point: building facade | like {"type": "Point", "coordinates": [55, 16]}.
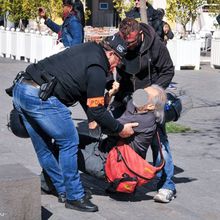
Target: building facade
{"type": "Point", "coordinates": [104, 14]}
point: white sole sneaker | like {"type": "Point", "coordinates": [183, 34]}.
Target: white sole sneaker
{"type": "Point", "coordinates": [164, 196]}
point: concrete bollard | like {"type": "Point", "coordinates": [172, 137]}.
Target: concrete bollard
{"type": "Point", "coordinates": [215, 56]}
{"type": "Point", "coordinates": [20, 196]}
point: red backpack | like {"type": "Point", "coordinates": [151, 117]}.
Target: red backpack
{"type": "Point", "coordinates": [125, 169]}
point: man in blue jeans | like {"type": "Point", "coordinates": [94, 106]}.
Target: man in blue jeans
{"type": "Point", "coordinates": [147, 62]}
{"type": "Point", "coordinates": [45, 90]}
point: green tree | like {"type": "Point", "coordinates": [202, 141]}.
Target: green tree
{"type": "Point", "coordinates": [214, 7]}
{"type": "Point", "coordinates": [5, 7]}
{"type": "Point", "coordinates": [183, 11]}
{"type": "Point", "coordinates": [123, 6]}
{"type": "Point", "coordinates": [28, 9]}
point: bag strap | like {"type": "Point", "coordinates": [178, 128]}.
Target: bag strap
{"type": "Point", "coordinates": [161, 154]}
{"type": "Point", "coordinates": [122, 158]}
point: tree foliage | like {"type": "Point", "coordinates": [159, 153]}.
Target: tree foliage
{"type": "Point", "coordinates": [214, 6]}
{"type": "Point", "coordinates": [183, 11]}
{"type": "Point", "coordinates": [28, 9]}
{"type": "Point", "coordinates": [123, 6]}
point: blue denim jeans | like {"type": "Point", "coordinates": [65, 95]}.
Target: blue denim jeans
{"type": "Point", "coordinates": [165, 176]}
{"type": "Point", "coordinates": [48, 121]}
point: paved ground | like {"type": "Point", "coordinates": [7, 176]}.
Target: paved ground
{"type": "Point", "coordinates": [196, 155]}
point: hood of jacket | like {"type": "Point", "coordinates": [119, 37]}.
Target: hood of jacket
{"type": "Point", "coordinates": [149, 37]}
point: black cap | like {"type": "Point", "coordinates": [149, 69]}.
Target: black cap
{"type": "Point", "coordinates": [117, 44]}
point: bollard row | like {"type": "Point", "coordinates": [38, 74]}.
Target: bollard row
{"type": "Point", "coordinates": [29, 45]}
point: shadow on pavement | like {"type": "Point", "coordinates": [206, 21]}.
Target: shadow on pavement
{"type": "Point", "coordinates": [99, 186]}
{"type": "Point", "coordinates": [177, 180]}
{"type": "Point", "coordinates": [45, 214]}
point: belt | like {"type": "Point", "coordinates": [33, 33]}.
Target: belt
{"type": "Point", "coordinates": [30, 82]}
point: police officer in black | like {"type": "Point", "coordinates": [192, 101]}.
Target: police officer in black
{"type": "Point", "coordinates": [43, 93]}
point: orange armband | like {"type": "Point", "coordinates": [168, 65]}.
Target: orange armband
{"type": "Point", "coordinates": [95, 102]}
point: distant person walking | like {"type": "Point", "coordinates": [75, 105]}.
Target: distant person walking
{"type": "Point", "coordinates": [71, 31]}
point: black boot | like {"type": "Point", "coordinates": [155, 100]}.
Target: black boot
{"type": "Point", "coordinates": [62, 196]}
{"type": "Point", "coordinates": [83, 204]}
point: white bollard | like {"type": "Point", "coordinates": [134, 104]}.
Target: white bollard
{"type": "Point", "coordinates": [33, 48]}
{"type": "Point", "coordinates": [179, 52]}
{"type": "Point", "coordinates": [215, 48]}
{"type": "Point", "coordinates": [20, 47]}
{"type": "Point", "coordinates": [8, 42]}
{"type": "Point", "coordinates": [38, 46]}
{"type": "Point", "coordinates": [27, 48]}
{"type": "Point", "coordinates": [13, 43]}
{"type": "Point", "coordinates": [30, 49]}
{"type": "Point", "coordinates": [2, 43]}
{"type": "Point", "coordinates": [49, 43]}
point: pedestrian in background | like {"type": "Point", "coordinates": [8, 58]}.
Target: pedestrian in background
{"type": "Point", "coordinates": [152, 16]}
{"type": "Point", "coordinates": [71, 31]}
{"type": "Point", "coordinates": [167, 33]}
{"type": "Point", "coordinates": [155, 19]}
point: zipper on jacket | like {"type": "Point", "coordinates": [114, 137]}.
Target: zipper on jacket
{"type": "Point", "coordinates": [133, 79]}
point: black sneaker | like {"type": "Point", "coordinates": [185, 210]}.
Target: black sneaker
{"type": "Point", "coordinates": [62, 196]}
{"type": "Point", "coordinates": [83, 204]}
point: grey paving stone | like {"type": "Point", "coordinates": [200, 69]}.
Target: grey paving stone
{"type": "Point", "coordinates": [19, 194]}
{"type": "Point", "coordinates": [195, 154]}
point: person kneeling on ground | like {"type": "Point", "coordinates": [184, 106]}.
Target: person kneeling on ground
{"type": "Point", "coordinates": [147, 108]}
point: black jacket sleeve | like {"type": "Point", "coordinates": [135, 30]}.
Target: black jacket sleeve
{"type": "Point", "coordinates": [163, 64]}
{"type": "Point", "coordinates": [96, 81]}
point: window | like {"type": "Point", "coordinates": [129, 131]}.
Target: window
{"type": "Point", "coordinates": [103, 6]}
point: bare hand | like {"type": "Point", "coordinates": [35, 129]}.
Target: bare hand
{"type": "Point", "coordinates": [114, 89]}
{"type": "Point", "coordinates": [93, 125]}
{"type": "Point", "coordinates": [128, 130]}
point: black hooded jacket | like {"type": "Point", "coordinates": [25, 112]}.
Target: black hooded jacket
{"type": "Point", "coordinates": [149, 64]}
